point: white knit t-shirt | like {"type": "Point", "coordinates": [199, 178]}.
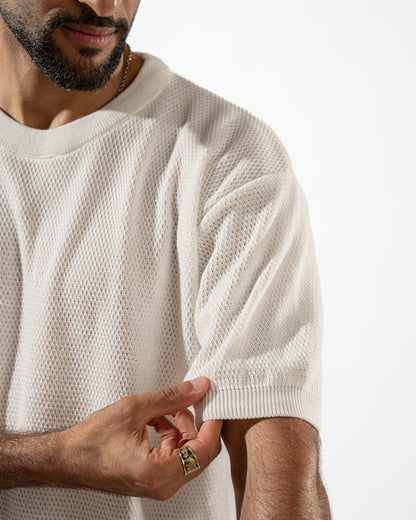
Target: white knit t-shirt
{"type": "Point", "coordinates": [160, 238]}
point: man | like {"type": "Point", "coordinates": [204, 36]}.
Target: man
{"type": "Point", "coordinates": [151, 233]}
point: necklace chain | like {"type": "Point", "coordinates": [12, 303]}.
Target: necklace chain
{"type": "Point", "coordinates": [126, 68]}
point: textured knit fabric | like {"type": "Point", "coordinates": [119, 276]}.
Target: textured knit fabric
{"type": "Point", "coordinates": [158, 239]}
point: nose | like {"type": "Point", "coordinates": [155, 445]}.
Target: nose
{"type": "Point", "coordinates": [102, 7]}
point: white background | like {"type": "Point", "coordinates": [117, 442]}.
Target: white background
{"type": "Point", "coordinates": [337, 82]}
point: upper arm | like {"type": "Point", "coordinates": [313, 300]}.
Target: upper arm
{"type": "Point", "coordinates": [258, 314]}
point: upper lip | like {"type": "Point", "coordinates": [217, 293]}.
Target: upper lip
{"type": "Point", "coordinates": [91, 29]}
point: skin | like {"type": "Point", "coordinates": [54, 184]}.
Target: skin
{"type": "Point", "coordinates": [110, 451]}
{"type": "Point", "coordinates": [39, 62]}
{"type": "Point", "coordinates": [47, 81]}
{"type": "Point", "coordinates": [275, 469]}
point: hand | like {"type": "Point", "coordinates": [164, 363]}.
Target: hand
{"type": "Point", "coordinates": [110, 451]}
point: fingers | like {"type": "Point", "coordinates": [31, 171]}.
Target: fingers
{"type": "Point", "coordinates": [186, 426]}
{"type": "Point", "coordinates": [172, 436]}
{"type": "Point", "coordinates": [207, 443]}
{"type": "Point", "coordinates": [209, 431]}
{"type": "Point", "coordinates": [166, 463]}
{"type": "Point", "coordinates": [167, 431]}
{"type": "Point", "coordinates": [170, 399]}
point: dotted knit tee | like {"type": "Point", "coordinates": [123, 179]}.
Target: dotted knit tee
{"type": "Point", "coordinates": [160, 238]}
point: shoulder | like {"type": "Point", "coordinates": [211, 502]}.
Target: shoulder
{"type": "Point", "coordinates": [238, 146]}
{"type": "Point", "coordinates": [219, 121]}
{"type": "Point", "coordinates": [219, 125]}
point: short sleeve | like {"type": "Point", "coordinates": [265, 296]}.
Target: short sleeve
{"type": "Point", "coordinates": [258, 311]}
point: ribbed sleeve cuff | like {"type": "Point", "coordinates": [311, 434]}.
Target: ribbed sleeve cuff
{"type": "Point", "coordinates": [255, 402]}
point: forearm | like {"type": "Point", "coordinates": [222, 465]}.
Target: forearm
{"type": "Point", "coordinates": [30, 460]}
{"type": "Point", "coordinates": [284, 499]}
{"type": "Point", "coordinates": [323, 501]}
{"type": "Point", "coordinates": [275, 469]}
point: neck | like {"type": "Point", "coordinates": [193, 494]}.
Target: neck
{"type": "Point", "coordinates": [30, 98]}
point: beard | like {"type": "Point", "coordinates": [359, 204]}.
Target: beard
{"type": "Point", "coordinates": [49, 58]}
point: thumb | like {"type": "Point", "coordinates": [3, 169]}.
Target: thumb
{"type": "Point", "coordinates": [171, 399]}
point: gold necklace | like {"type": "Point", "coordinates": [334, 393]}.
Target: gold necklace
{"type": "Point", "coordinates": [126, 68]}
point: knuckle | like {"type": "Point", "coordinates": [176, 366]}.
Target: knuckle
{"type": "Point", "coordinates": [171, 393]}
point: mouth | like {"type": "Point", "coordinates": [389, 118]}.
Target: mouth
{"type": "Point", "coordinates": [89, 35]}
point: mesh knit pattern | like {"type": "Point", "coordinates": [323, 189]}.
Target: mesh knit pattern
{"type": "Point", "coordinates": [158, 239]}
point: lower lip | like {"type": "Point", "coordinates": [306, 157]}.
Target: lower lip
{"type": "Point", "coordinates": [91, 40]}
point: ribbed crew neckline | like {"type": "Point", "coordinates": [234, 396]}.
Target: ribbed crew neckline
{"type": "Point", "coordinates": [151, 79]}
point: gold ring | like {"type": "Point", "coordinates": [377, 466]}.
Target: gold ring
{"type": "Point", "coordinates": [188, 458]}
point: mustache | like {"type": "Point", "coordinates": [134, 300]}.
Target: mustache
{"type": "Point", "coordinates": [87, 17]}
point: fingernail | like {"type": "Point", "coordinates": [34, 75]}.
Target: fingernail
{"type": "Point", "coordinates": [199, 383]}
